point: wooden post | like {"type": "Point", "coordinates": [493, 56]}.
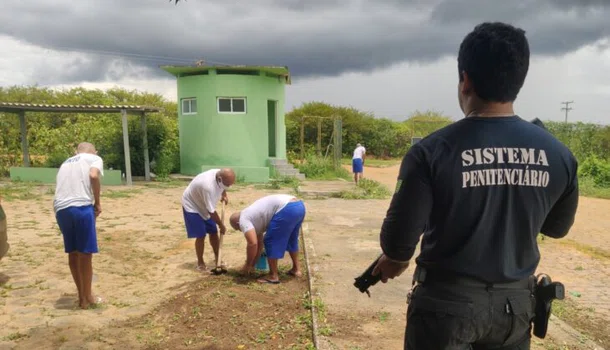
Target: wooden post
{"type": "Point", "coordinates": [302, 139]}
{"type": "Point", "coordinates": [338, 142]}
{"type": "Point", "coordinates": [126, 148]}
{"type": "Point", "coordinates": [145, 146]}
{"type": "Point", "coordinates": [319, 136]}
{"type": "Point", "coordinates": [24, 139]}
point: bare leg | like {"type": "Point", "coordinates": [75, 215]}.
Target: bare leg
{"type": "Point", "coordinates": [356, 178]}
{"type": "Point", "coordinates": [215, 243]}
{"type": "Point", "coordinates": [296, 266]}
{"type": "Point", "coordinates": [199, 247]}
{"type": "Point", "coordinates": [273, 270]}
{"type": "Point", "coordinates": [85, 269]}
{"type": "Point", "coordinates": [73, 262]}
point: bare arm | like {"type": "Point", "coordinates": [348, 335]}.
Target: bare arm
{"type": "Point", "coordinates": [96, 186]}
{"type": "Point", "coordinates": [252, 249]}
{"type": "Point", "coordinates": [221, 225]}
{"type": "Point", "coordinates": [561, 217]}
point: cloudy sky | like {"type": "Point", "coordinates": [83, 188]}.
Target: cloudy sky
{"type": "Point", "coordinates": [390, 57]}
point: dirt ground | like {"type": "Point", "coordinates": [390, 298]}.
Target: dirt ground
{"type": "Point", "coordinates": [144, 261]}
{"type": "Point", "coordinates": [581, 261]}
{"type": "Point", "coordinates": [156, 299]}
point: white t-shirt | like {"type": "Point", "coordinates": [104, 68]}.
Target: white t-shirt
{"type": "Point", "coordinates": [258, 215]}
{"type": "Point", "coordinates": [73, 185]}
{"type": "Point", "coordinates": [202, 194]}
{"type": "Point", "coordinates": [359, 152]}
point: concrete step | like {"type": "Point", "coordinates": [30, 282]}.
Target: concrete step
{"type": "Point", "coordinates": [287, 172]}
{"type": "Point", "coordinates": [284, 166]}
{"type": "Point", "coordinates": [278, 161]}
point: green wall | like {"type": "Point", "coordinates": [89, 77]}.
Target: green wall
{"type": "Point", "coordinates": [209, 139]}
{"type": "Point", "coordinates": [48, 175]}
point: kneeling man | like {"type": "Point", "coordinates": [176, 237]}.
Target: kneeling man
{"type": "Point", "coordinates": [272, 222]}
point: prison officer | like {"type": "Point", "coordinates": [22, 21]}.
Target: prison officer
{"type": "Point", "coordinates": [480, 190]}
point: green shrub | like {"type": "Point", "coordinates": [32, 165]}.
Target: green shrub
{"type": "Point", "coordinates": [366, 189]}
{"type": "Point", "coordinates": [319, 168]}
{"type": "Point", "coordinates": [56, 159]}
{"type": "Point", "coordinates": [596, 169]}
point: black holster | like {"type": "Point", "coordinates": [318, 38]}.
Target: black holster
{"type": "Point", "coordinates": [545, 292]}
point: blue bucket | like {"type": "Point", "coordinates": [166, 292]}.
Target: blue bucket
{"type": "Point", "coordinates": [261, 264]}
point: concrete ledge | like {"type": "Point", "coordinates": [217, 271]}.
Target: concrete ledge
{"type": "Point", "coordinates": [48, 175]}
{"type": "Point", "coordinates": [250, 174]}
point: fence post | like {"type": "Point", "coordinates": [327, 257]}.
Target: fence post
{"type": "Point", "coordinates": [319, 136]}
{"type": "Point", "coordinates": [302, 139]}
{"type": "Point", "coordinates": [338, 146]}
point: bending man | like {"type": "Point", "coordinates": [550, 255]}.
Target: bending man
{"type": "Point", "coordinates": [272, 222]}
{"type": "Point", "coordinates": [199, 209]}
{"type": "Point", "coordinates": [76, 205]}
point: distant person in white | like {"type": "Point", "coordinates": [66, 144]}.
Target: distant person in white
{"type": "Point", "coordinates": [76, 205]}
{"type": "Point", "coordinates": [358, 162]}
{"type": "Point", "coordinates": [199, 209]}
{"type": "Point", "coordinates": [272, 222]}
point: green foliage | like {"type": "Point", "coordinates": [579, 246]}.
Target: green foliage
{"type": "Point", "coordinates": [367, 189]}
{"type": "Point", "coordinates": [588, 188]}
{"type": "Point", "coordinates": [596, 169]}
{"type": "Point", "coordinates": [53, 137]}
{"type": "Point", "coordinates": [382, 137]}
{"type": "Point", "coordinates": [320, 168]}
{"type": "Point", "coordinates": [583, 139]}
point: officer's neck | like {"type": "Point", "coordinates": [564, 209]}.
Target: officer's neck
{"type": "Point", "coordinates": [490, 109]}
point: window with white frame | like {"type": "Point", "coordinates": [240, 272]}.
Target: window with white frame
{"type": "Point", "coordinates": [189, 106]}
{"type": "Point", "coordinates": [232, 105]}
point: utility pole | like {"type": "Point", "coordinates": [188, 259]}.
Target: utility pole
{"type": "Point", "coordinates": [567, 108]}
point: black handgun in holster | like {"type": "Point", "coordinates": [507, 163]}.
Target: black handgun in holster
{"type": "Point", "coordinates": [545, 292]}
{"type": "Point", "coordinates": [366, 280]}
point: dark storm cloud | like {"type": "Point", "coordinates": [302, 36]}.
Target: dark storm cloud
{"type": "Point", "coordinates": [312, 38]}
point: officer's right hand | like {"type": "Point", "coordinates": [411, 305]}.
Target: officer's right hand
{"type": "Point", "coordinates": [389, 269]}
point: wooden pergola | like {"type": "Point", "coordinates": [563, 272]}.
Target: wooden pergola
{"type": "Point", "coordinates": [21, 108]}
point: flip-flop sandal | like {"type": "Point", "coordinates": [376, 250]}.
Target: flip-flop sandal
{"type": "Point", "coordinates": [268, 281]}
{"type": "Point", "coordinates": [201, 268]}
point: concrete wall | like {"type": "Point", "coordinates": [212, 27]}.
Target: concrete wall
{"type": "Point", "coordinates": [48, 175]}
{"type": "Point", "coordinates": [209, 139]}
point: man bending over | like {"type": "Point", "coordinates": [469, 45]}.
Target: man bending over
{"type": "Point", "coordinates": [199, 209]}
{"type": "Point", "coordinates": [76, 205]}
{"type": "Point", "coordinates": [272, 222]}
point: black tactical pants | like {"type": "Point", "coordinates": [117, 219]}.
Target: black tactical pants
{"type": "Point", "coordinates": [458, 315]}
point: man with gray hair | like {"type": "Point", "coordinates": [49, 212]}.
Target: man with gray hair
{"type": "Point", "coordinates": [76, 205]}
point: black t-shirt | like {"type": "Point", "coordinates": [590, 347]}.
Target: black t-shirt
{"type": "Point", "coordinates": [481, 190]}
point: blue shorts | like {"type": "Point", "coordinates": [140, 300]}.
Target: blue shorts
{"type": "Point", "coordinates": [77, 225]}
{"type": "Point", "coordinates": [196, 226]}
{"type": "Point", "coordinates": [357, 165]}
{"type": "Point", "coordinates": [283, 230]}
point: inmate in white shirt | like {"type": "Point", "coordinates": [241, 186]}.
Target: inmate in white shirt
{"type": "Point", "coordinates": [258, 215]}
{"type": "Point", "coordinates": [359, 152]}
{"type": "Point", "coordinates": [202, 194]}
{"type": "Point", "coordinates": [73, 184]}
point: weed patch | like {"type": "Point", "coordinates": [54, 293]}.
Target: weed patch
{"type": "Point", "coordinates": [319, 168]}
{"type": "Point", "coordinates": [366, 189]}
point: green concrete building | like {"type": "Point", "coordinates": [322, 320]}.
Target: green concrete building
{"type": "Point", "coordinates": [232, 116]}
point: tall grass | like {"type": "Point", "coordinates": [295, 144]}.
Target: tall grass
{"type": "Point", "coordinates": [319, 168]}
{"type": "Point", "coordinates": [366, 189]}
